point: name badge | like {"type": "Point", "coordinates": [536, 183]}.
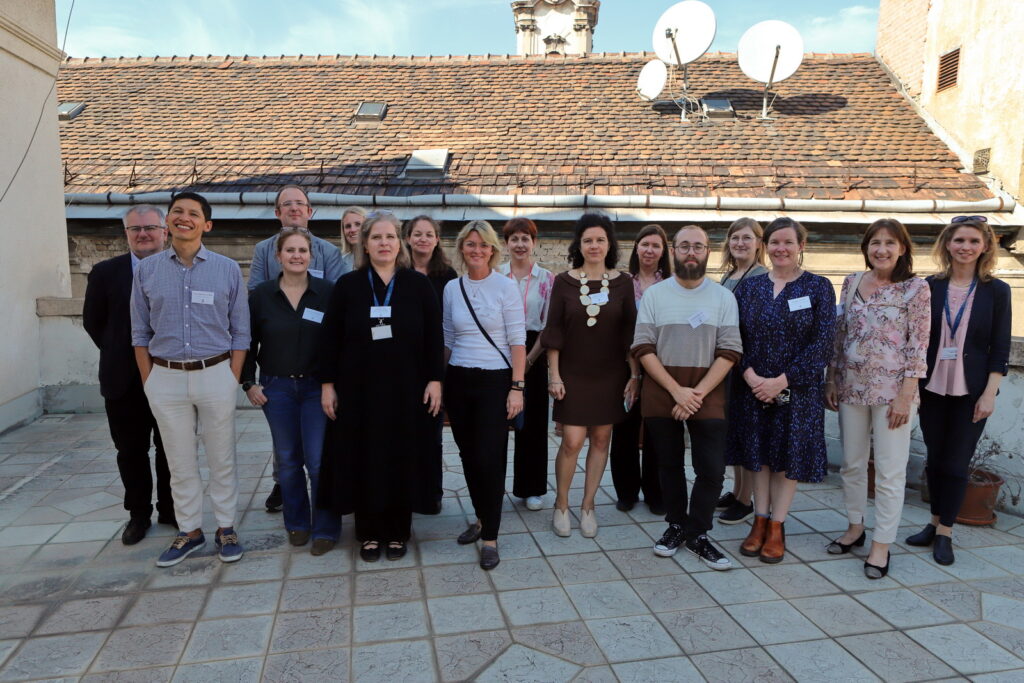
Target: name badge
{"type": "Point", "coordinates": [316, 273]}
{"type": "Point", "coordinates": [698, 319]}
{"type": "Point", "coordinates": [380, 332]}
{"type": "Point", "coordinates": [839, 309]}
{"type": "Point", "coordinates": [799, 304]}
{"type": "Point", "coordinates": [600, 298]}
{"type": "Point", "coordinates": [312, 315]}
{"type": "Point", "coordinates": [380, 312]}
{"type": "Point", "coordinates": [948, 353]}
{"type": "Point", "coordinates": [199, 297]}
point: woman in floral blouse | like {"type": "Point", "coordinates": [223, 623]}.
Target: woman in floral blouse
{"type": "Point", "coordinates": [881, 347]}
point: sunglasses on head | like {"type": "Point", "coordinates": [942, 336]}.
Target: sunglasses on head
{"type": "Point", "coordinates": [964, 219]}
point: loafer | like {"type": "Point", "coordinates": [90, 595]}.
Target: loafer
{"type": "Point", "coordinates": [534, 503]}
{"type": "Point", "coordinates": [560, 523]}
{"type": "Point", "coordinates": [588, 524]}
{"type": "Point", "coordinates": [370, 551]}
{"type": "Point", "coordinates": [470, 535]}
{"type": "Point", "coordinates": [395, 550]}
{"type": "Point", "coordinates": [624, 505]}
{"type": "Point", "coordinates": [181, 547]}
{"type": "Point", "coordinates": [322, 546]}
{"type": "Point", "coordinates": [274, 502]}
{"type": "Point", "coordinates": [167, 518]}
{"type": "Point", "coordinates": [298, 537]}
{"type": "Point", "coordinates": [135, 530]}
{"type": "Point", "coordinates": [227, 543]}
{"type": "Point", "coordinates": [923, 538]}
{"type": "Point", "coordinates": [489, 558]}
{"type": "Point", "coordinates": [942, 550]}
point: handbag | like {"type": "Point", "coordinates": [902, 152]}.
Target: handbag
{"type": "Point", "coordinates": [519, 420]}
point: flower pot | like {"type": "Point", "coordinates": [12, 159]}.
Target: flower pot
{"type": "Point", "coordinates": [978, 508]}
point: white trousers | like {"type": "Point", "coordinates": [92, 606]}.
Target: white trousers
{"type": "Point", "coordinates": [177, 398]}
{"type": "Point", "coordinates": [860, 427]}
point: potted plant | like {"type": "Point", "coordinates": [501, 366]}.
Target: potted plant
{"type": "Point", "coordinates": [989, 485]}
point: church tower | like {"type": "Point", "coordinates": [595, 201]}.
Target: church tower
{"type": "Point", "coordinates": [564, 27]}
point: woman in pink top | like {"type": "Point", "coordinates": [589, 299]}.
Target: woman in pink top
{"type": "Point", "coordinates": [968, 355]}
{"type": "Point", "coordinates": [880, 354]}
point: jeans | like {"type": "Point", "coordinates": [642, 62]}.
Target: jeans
{"type": "Point", "coordinates": [297, 426]}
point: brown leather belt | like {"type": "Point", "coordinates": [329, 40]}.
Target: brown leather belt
{"type": "Point", "coordinates": [192, 364]}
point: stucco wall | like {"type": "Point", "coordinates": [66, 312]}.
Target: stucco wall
{"type": "Point", "coordinates": [34, 257]}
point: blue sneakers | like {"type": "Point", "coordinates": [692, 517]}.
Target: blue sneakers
{"type": "Point", "coordinates": [230, 548]}
{"type": "Point", "coordinates": [181, 547]}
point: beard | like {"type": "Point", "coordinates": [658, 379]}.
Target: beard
{"type": "Point", "coordinates": [692, 271]}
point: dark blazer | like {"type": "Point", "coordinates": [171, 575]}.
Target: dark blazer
{"type": "Point", "coordinates": [107, 318]}
{"type": "Point", "coordinates": [987, 346]}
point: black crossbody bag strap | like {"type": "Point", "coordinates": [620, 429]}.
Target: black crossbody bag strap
{"type": "Point", "coordinates": [479, 326]}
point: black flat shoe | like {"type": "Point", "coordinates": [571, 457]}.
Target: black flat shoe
{"type": "Point", "coordinates": [368, 553]}
{"type": "Point", "coordinates": [489, 557]}
{"type": "Point", "coordinates": [726, 501]}
{"type": "Point", "coordinates": [395, 550]}
{"type": "Point", "coordinates": [942, 550]}
{"type": "Point", "coordinates": [656, 509]}
{"type": "Point", "coordinates": [923, 538]}
{"type": "Point", "coordinates": [624, 506]}
{"type": "Point", "coordinates": [275, 501]}
{"type": "Point", "coordinates": [875, 572]}
{"type": "Point", "coordinates": [168, 519]}
{"type": "Point", "coordinates": [470, 535]}
{"type": "Point", "coordinates": [135, 530]}
{"type": "Point", "coordinates": [837, 548]}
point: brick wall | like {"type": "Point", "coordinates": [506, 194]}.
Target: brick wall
{"type": "Point", "coordinates": [902, 29]}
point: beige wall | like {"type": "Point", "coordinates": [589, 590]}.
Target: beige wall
{"type": "Point", "coordinates": [986, 107]}
{"type": "Point", "coordinates": [34, 255]}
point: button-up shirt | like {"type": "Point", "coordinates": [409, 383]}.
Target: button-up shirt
{"type": "Point", "coordinates": [189, 312]}
{"type": "Point", "coordinates": [325, 261]}
{"type": "Point", "coordinates": [285, 340]}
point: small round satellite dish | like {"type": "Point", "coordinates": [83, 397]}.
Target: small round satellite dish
{"type": "Point", "coordinates": [757, 51]}
{"type": "Point", "coordinates": [692, 24]}
{"type": "Point", "coordinates": [652, 79]}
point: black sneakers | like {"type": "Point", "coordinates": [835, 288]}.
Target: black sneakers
{"type": "Point", "coordinates": [669, 542]}
{"type": "Point", "coordinates": [275, 501]}
{"type": "Point", "coordinates": [736, 513]}
{"type": "Point", "coordinates": [708, 554]}
{"type": "Point", "coordinates": [725, 501]}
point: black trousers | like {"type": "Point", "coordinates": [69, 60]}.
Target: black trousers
{"type": "Point", "coordinates": [951, 438]}
{"type": "Point", "coordinates": [631, 471]}
{"type": "Point", "coordinates": [387, 522]}
{"type": "Point", "coordinates": [475, 401]}
{"type": "Point", "coordinates": [531, 449]}
{"type": "Point", "coordinates": [707, 454]}
{"type": "Point", "coordinates": [131, 425]}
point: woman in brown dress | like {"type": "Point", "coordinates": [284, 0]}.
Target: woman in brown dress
{"type": "Point", "coordinates": [591, 377]}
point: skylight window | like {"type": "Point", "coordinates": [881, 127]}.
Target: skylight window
{"type": "Point", "coordinates": [371, 111]}
{"type": "Point", "coordinates": [426, 163]}
{"type": "Point", "coordinates": [69, 110]}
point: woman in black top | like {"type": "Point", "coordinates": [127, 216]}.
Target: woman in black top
{"type": "Point", "coordinates": [968, 355]}
{"type": "Point", "coordinates": [285, 315]}
{"type": "Point", "coordinates": [422, 235]}
{"type": "Point", "coordinates": [381, 372]}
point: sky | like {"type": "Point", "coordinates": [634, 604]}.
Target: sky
{"type": "Point", "coordinates": [416, 27]}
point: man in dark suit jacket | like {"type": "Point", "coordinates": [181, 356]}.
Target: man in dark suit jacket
{"type": "Point", "coordinates": [107, 318]}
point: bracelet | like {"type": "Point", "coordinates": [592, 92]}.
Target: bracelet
{"type": "Point", "coordinates": [634, 376]}
{"type": "Point", "coordinates": [553, 382]}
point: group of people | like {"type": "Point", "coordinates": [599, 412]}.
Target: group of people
{"type": "Point", "coordinates": [354, 355]}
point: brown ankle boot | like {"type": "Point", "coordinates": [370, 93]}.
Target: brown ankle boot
{"type": "Point", "coordinates": [751, 547]}
{"type": "Point", "coordinates": [774, 543]}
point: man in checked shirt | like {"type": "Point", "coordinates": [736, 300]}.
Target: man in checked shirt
{"type": "Point", "coordinates": [190, 313]}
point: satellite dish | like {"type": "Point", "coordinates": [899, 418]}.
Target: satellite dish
{"type": "Point", "coordinates": [652, 80]}
{"type": "Point", "coordinates": [684, 32]}
{"type": "Point", "coordinates": [770, 51]}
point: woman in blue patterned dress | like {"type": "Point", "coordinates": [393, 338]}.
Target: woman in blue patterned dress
{"type": "Point", "coordinates": [776, 412]}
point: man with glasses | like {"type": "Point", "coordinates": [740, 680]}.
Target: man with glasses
{"type": "Point", "coordinates": [106, 316]}
{"type": "Point", "coordinates": [292, 208]}
{"type": "Point", "coordinates": [687, 338]}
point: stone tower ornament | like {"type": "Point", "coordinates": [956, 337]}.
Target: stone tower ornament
{"type": "Point", "coordinates": [564, 27]}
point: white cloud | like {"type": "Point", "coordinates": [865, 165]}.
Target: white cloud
{"type": "Point", "coordinates": [853, 29]}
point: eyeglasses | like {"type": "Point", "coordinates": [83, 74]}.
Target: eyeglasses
{"type": "Point", "coordinates": [964, 219]}
{"type": "Point", "coordinates": [136, 229]}
{"type": "Point", "coordinates": [697, 249]}
{"type": "Point", "coordinates": [293, 202]}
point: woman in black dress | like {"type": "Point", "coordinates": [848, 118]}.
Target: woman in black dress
{"type": "Point", "coordinates": [382, 362]}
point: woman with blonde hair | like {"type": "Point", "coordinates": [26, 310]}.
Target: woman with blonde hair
{"type": "Point", "coordinates": [351, 224]}
{"type": "Point", "coordinates": [968, 356]}
{"type": "Point", "coordinates": [485, 347]}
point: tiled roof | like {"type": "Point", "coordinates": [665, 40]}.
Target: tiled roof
{"type": "Point", "coordinates": [534, 125]}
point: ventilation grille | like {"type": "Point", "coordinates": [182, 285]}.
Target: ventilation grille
{"type": "Point", "coordinates": [949, 65]}
{"type": "Point", "coordinates": [981, 159]}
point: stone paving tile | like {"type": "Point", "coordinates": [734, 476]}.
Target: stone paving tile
{"type": "Point", "coordinates": [820, 660]}
{"type": "Point", "coordinates": [895, 657]}
{"type": "Point", "coordinates": [389, 662]}
{"type": "Point", "coordinates": [243, 600]}
{"type": "Point", "coordinates": [1011, 639]}
{"type": "Point", "coordinates": [94, 614]}
{"type": "Point", "coordinates": [536, 606]}
{"type": "Point", "coordinates": [53, 656]}
{"type": "Point", "coordinates": [160, 674]}
{"type": "Point", "coordinates": [771, 623]}
{"type": "Point", "coordinates": [606, 599]}
{"type": "Point", "coordinates": [1002, 610]}
{"type": "Point", "coordinates": [959, 599]}
{"type": "Point", "coordinates": [849, 575]}
{"type": "Point", "coordinates": [840, 615]}
{"type": "Point", "coordinates": [519, 663]}
{"type": "Point", "coordinates": [317, 592]}
{"type": "Point", "coordinates": [224, 638]}
{"type": "Point", "coordinates": [668, 669]}
{"type": "Point", "coordinates": [584, 568]}
{"type": "Point", "coordinates": [18, 622]}
{"type": "Point", "coordinates": [458, 579]}
{"type": "Point", "coordinates": [388, 586]}
{"type": "Point", "coordinates": [166, 606]}
{"type": "Point", "coordinates": [142, 646]}
{"type": "Point", "coordinates": [794, 580]}
{"type": "Point", "coordinates": [321, 665]}
{"type": "Point", "coordinates": [705, 630]}
{"type": "Point", "coordinates": [458, 657]}
{"type": "Point", "coordinates": [735, 586]}
{"type": "Point", "coordinates": [315, 629]}
{"type": "Point", "coordinates": [671, 593]}
{"type": "Point", "coordinates": [750, 665]}
{"type": "Point", "coordinates": [217, 672]}
{"type": "Point", "coordinates": [568, 640]}
{"type": "Point", "coordinates": [391, 621]}
{"type": "Point", "coordinates": [642, 563]}
{"type": "Point", "coordinates": [464, 613]}
{"type": "Point", "coordinates": [903, 608]}
{"type": "Point", "coordinates": [965, 650]}
{"type": "Point", "coordinates": [596, 674]}
{"type": "Point", "coordinates": [624, 639]}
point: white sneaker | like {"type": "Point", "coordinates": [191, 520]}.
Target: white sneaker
{"type": "Point", "coordinates": [560, 523]}
{"type": "Point", "coordinates": [588, 523]}
{"type": "Point", "coordinates": [534, 503]}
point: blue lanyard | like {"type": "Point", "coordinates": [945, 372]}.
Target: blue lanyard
{"type": "Point", "coordinates": [955, 324]}
{"type": "Point", "coordinates": [391, 288]}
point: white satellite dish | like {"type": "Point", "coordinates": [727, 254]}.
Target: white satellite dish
{"type": "Point", "coordinates": [684, 32]}
{"type": "Point", "coordinates": [770, 51]}
{"type": "Point", "coordinates": [652, 80]}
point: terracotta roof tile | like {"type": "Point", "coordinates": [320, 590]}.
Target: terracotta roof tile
{"type": "Point", "coordinates": [535, 125]}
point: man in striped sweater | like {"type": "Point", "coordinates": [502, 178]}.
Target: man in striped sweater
{"type": "Point", "coordinates": [687, 339]}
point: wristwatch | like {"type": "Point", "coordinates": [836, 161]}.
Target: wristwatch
{"type": "Point", "coordinates": [518, 385]}
{"type": "Point", "coordinates": [246, 386]}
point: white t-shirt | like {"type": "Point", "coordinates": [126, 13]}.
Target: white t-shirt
{"type": "Point", "coordinates": [498, 306]}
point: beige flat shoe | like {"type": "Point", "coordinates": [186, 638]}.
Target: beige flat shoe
{"type": "Point", "coordinates": [560, 523]}
{"type": "Point", "coordinates": [588, 523]}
